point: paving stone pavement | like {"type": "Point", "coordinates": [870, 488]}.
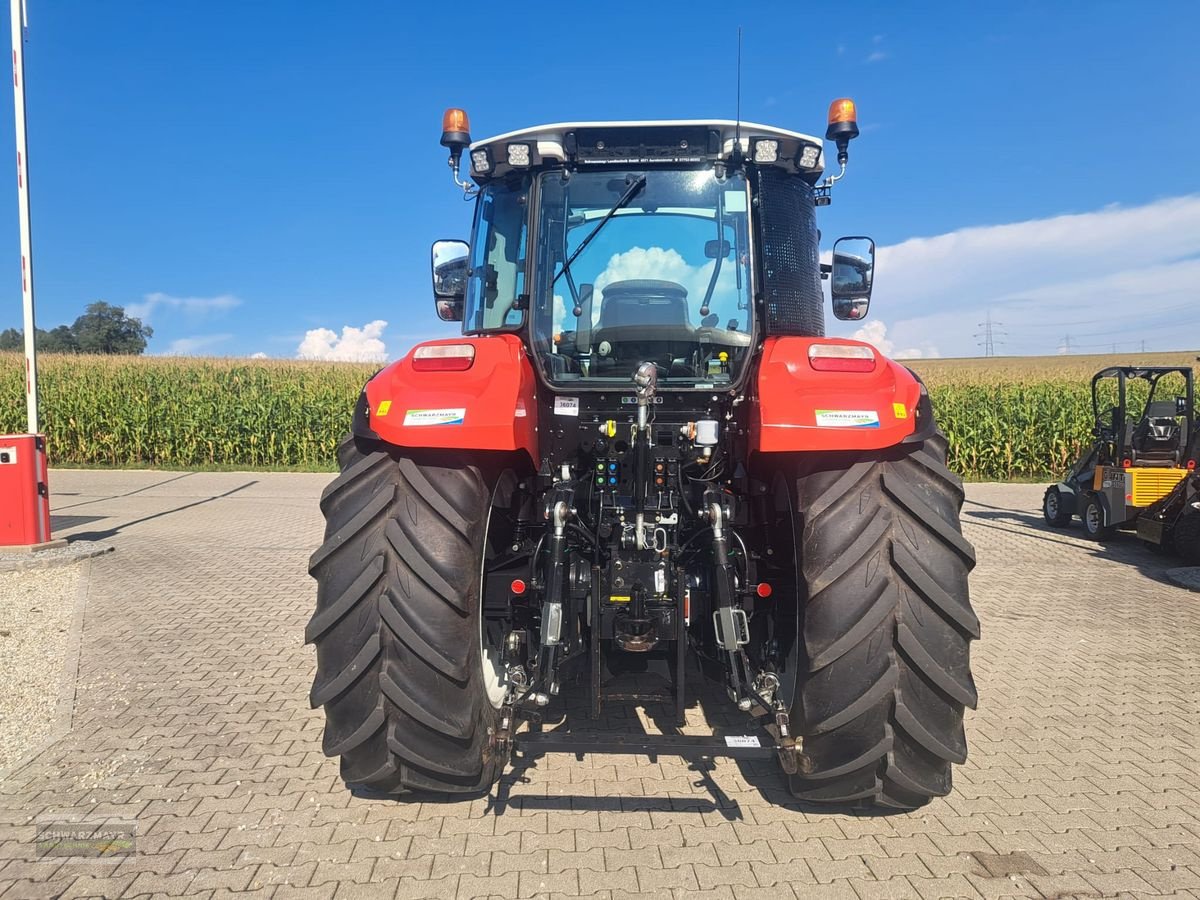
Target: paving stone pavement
{"type": "Point", "coordinates": [191, 720]}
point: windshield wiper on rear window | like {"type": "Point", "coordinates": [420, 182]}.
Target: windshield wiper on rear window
{"type": "Point", "coordinates": [630, 192]}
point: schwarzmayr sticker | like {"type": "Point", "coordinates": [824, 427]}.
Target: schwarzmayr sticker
{"type": "Point", "coordinates": [847, 418]}
{"type": "Point", "coordinates": [434, 416]}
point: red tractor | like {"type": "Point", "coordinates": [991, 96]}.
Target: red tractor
{"type": "Point", "coordinates": [643, 450]}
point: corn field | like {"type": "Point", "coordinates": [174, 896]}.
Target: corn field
{"type": "Point", "coordinates": [178, 413]}
{"type": "Point", "coordinates": [1026, 418]}
{"type": "Point", "coordinates": [1005, 419]}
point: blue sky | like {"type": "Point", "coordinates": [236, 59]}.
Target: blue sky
{"type": "Point", "coordinates": [245, 172]}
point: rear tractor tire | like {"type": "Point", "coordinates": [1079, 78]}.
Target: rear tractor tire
{"type": "Point", "coordinates": [884, 657]}
{"type": "Point", "coordinates": [401, 670]}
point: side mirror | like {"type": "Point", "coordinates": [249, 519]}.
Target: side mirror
{"type": "Point", "coordinates": [450, 278]}
{"type": "Point", "coordinates": [852, 276]}
{"type": "Point", "coordinates": [1181, 406]}
{"type": "Point", "coordinates": [716, 249]}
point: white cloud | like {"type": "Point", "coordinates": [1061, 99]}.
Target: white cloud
{"type": "Point", "coordinates": [645, 262]}
{"type": "Point", "coordinates": [875, 333]}
{"type": "Point", "coordinates": [192, 307]}
{"type": "Point", "coordinates": [877, 56]}
{"type": "Point", "coordinates": [259, 355]}
{"type": "Point", "coordinates": [355, 344]}
{"type": "Point", "coordinates": [197, 344]}
{"type": "Point", "coordinates": [1117, 274]}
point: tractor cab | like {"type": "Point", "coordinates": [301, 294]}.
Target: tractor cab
{"type": "Point", "coordinates": [1146, 442]}
{"type": "Point", "coordinates": [606, 245]}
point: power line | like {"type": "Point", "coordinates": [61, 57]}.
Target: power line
{"type": "Point", "coordinates": [1133, 345]}
{"type": "Point", "coordinates": [990, 335]}
{"type": "Point", "coordinates": [1138, 313]}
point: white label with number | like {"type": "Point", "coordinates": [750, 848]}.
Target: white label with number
{"type": "Point", "coordinates": [566, 406]}
{"type": "Point", "coordinates": [741, 740]}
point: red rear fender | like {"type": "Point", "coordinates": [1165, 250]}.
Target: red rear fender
{"type": "Point", "coordinates": [488, 406]}
{"type": "Point", "coordinates": [802, 408]}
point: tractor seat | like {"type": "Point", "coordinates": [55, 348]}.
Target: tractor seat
{"type": "Point", "coordinates": [1158, 436]}
{"type": "Point", "coordinates": [643, 319]}
{"type": "Point", "coordinates": [644, 302]}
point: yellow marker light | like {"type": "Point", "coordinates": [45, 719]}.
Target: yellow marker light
{"type": "Point", "coordinates": [723, 356]}
{"type": "Point", "coordinates": [384, 406]}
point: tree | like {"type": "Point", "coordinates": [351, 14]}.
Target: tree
{"type": "Point", "coordinates": [101, 329]}
{"type": "Point", "coordinates": [57, 340]}
{"type": "Point", "coordinates": [106, 329]}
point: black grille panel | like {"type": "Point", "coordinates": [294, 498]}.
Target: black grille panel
{"type": "Point", "coordinates": [795, 303]}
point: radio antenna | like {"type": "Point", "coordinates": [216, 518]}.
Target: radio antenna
{"type": "Point", "coordinates": [737, 128]}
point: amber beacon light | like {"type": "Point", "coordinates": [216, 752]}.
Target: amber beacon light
{"type": "Point", "coordinates": [456, 130]}
{"type": "Point", "coordinates": [843, 126]}
{"type": "Point", "coordinates": [456, 135]}
{"type": "Point", "coordinates": [842, 110]}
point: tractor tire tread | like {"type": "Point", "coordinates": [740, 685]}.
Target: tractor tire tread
{"type": "Point", "coordinates": [887, 626]}
{"type": "Point", "coordinates": [396, 623]}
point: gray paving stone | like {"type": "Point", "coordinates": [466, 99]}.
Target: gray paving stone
{"type": "Point", "coordinates": [191, 717]}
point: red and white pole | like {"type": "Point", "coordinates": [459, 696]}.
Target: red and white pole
{"type": "Point", "coordinates": [24, 483]}
{"type": "Point", "coordinates": [31, 390]}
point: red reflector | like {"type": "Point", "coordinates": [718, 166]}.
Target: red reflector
{"type": "Point", "coordinates": [841, 364]}
{"type": "Point", "coordinates": [1191, 464]}
{"type": "Point", "coordinates": [763, 590]}
{"type": "Point", "coordinates": [443, 364]}
{"type": "Point", "coordinates": [443, 358]}
{"type": "Point", "coordinates": [517, 586]}
{"type": "Point", "coordinates": [1127, 463]}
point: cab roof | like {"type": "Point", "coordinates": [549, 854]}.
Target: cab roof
{"type": "Point", "coordinates": [678, 141]}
